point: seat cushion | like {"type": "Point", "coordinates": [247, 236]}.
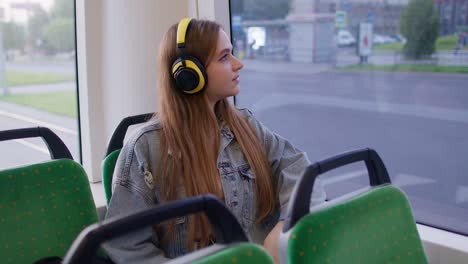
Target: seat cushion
{"type": "Point", "coordinates": [108, 166]}
{"type": "Point", "coordinates": [374, 227]}
{"type": "Point", "coordinates": [43, 207]}
{"type": "Point", "coordinates": [238, 253]}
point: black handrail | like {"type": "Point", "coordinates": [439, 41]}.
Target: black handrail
{"type": "Point", "coordinates": [57, 149]}
{"type": "Point", "coordinates": [118, 136]}
{"type": "Point", "coordinates": [224, 223]}
{"type": "Point", "coordinates": [301, 196]}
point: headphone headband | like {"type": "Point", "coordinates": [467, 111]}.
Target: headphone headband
{"type": "Point", "coordinates": [182, 29]}
{"type": "Point", "coordinates": [188, 72]}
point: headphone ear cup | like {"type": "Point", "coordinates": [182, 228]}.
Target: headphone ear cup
{"type": "Point", "coordinates": [192, 77]}
{"type": "Point", "coordinates": [185, 77]}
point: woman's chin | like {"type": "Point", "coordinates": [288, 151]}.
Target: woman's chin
{"type": "Point", "coordinates": [236, 90]}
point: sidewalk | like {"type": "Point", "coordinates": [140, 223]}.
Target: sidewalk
{"type": "Point", "coordinates": [41, 88]}
{"type": "Point", "coordinates": [284, 67]}
{"type": "Point", "coordinates": [65, 122]}
{"type": "Point", "coordinates": [347, 57]}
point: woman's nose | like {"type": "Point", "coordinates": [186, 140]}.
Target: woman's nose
{"type": "Point", "coordinates": [237, 64]}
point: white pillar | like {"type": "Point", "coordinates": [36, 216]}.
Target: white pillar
{"type": "Point", "coordinates": [117, 47]}
{"type": "Point", "coordinates": [303, 39]}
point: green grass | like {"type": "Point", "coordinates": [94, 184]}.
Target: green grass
{"type": "Point", "coordinates": [409, 67]}
{"type": "Point", "coordinates": [26, 78]}
{"type": "Point", "coordinates": [63, 103]}
{"type": "Point", "coordinates": [442, 43]}
{"type": "Point", "coordinates": [389, 46]}
{"type": "Point", "coordinates": [446, 42]}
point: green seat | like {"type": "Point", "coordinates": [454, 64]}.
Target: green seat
{"type": "Point", "coordinates": [371, 225]}
{"type": "Point", "coordinates": [374, 227]}
{"type": "Point", "coordinates": [108, 166]}
{"type": "Point", "coordinates": [232, 245]}
{"type": "Point", "coordinates": [114, 147]}
{"type": "Point", "coordinates": [44, 206]}
{"type": "Point", "coordinates": [235, 253]}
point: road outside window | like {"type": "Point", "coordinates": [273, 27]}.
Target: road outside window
{"type": "Point", "coordinates": [340, 75]}
{"type": "Point", "coordinates": [37, 76]}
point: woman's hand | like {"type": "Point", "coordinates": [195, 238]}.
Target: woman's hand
{"type": "Point", "coordinates": [271, 241]}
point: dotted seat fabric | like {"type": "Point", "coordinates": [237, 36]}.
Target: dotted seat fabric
{"type": "Point", "coordinates": [108, 166]}
{"type": "Point", "coordinates": [373, 227]}
{"type": "Point", "coordinates": [43, 207]}
{"type": "Point", "coordinates": [238, 253]}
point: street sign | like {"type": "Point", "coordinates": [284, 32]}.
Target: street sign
{"type": "Point", "coordinates": [370, 17]}
{"type": "Point", "coordinates": [340, 19]}
{"type": "Point", "coordinates": [365, 39]}
{"type": "Point", "coordinates": [236, 21]}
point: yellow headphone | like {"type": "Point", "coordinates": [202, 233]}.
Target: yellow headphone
{"type": "Point", "coordinates": [188, 72]}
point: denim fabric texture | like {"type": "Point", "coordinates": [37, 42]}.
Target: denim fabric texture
{"type": "Point", "coordinates": [134, 189]}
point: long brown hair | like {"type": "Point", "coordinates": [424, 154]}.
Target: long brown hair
{"type": "Point", "coordinates": [190, 137]}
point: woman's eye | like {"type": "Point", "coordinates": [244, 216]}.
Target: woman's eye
{"type": "Point", "coordinates": [224, 57]}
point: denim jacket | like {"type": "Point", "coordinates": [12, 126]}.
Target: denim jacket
{"type": "Point", "coordinates": [134, 189]}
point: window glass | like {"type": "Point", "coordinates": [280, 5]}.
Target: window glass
{"type": "Point", "coordinates": [337, 75]}
{"type": "Point", "coordinates": [37, 76]}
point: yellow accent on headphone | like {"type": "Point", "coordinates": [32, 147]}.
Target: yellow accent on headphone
{"type": "Point", "coordinates": [192, 65]}
{"type": "Point", "coordinates": [187, 71]}
{"type": "Point", "coordinates": [182, 31]}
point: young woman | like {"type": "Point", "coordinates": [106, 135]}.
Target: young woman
{"type": "Point", "coordinates": [199, 143]}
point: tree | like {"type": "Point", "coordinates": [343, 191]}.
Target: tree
{"type": "Point", "coordinates": [237, 7]}
{"type": "Point", "coordinates": [420, 26]}
{"type": "Point", "coordinates": [37, 23]}
{"type": "Point", "coordinates": [262, 9]}
{"type": "Point", "coordinates": [14, 36]}
{"type": "Point", "coordinates": [63, 8]}
{"type": "Point", "coordinates": [60, 35]}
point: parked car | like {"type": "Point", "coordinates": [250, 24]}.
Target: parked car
{"type": "Point", "coordinates": [398, 38]}
{"type": "Point", "coordinates": [378, 39]}
{"type": "Point", "coordinates": [345, 39]}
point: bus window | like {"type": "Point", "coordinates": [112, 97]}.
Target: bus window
{"type": "Point", "coordinates": [340, 75]}
{"type": "Point", "coordinates": [37, 76]}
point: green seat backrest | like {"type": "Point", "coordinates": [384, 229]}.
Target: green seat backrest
{"type": "Point", "coordinates": [108, 166]}
{"type": "Point", "coordinates": [374, 227]}
{"type": "Point", "coordinates": [244, 253]}
{"type": "Point", "coordinates": [43, 207]}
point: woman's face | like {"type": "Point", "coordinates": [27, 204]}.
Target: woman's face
{"type": "Point", "coordinates": [223, 71]}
